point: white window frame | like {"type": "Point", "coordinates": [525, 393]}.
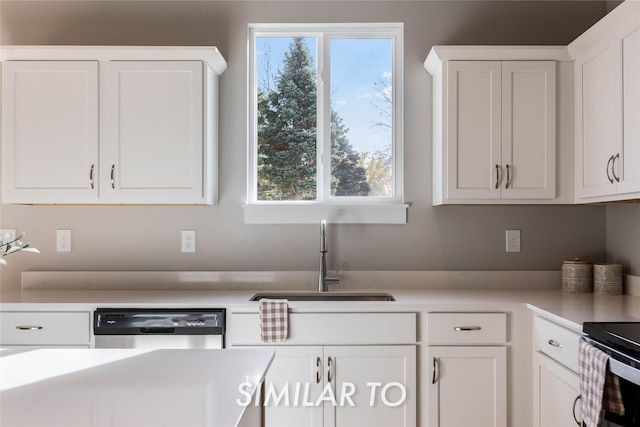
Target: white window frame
{"type": "Point", "coordinates": [334, 209]}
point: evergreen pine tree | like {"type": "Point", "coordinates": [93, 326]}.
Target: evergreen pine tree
{"type": "Point", "coordinates": [287, 136]}
{"type": "Point", "coordinates": [287, 130]}
{"type": "Point", "coordinates": [348, 178]}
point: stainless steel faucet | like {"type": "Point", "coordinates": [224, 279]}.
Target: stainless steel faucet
{"type": "Point", "coordinates": [323, 279]}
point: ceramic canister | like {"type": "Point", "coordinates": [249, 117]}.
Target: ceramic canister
{"type": "Point", "coordinates": [607, 279]}
{"type": "Point", "coordinates": [577, 276]}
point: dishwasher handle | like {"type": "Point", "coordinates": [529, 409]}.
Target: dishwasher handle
{"type": "Point", "coordinates": [157, 331]}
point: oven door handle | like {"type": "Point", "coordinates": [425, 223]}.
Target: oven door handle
{"type": "Point", "coordinates": [621, 369]}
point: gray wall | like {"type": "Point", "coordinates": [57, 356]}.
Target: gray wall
{"type": "Point", "coordinates": [442, 238]}
{"type": "Point", "coordinates": [623, 236]}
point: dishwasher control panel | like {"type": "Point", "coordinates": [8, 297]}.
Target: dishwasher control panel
{"type": "Point", "coordinates": [141, 321]}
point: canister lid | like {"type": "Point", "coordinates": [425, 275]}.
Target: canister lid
{"type": "Point", "coordinates": [575, 261]}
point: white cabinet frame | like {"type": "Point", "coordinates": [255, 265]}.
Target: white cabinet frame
{"type": "Point", "coordinates": [113, 141]}
{"type": "Point", "coordinates": [494, 124]}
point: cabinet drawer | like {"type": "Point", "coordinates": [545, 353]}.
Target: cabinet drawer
{"type": "Point", "coordinates": [557, 342]}
{"type": "Point", "coordinates": [36, 328]}
{"type": "Point", "coordinates": [466, 328]}
{"type": "Point", "coordinates": [329, 329]}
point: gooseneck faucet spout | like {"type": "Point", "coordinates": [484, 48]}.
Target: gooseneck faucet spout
{"type": "Point", "coordinates": [323, 279]}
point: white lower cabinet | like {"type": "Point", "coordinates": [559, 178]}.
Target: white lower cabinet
{"type": "Point", "coordinates": [341, 386]}
{"type": "Point", "coordinates": [557, 394]}
{"type": "Point", "coordinates": [556, 384]}
{"type": "Point", "coordinates": [467, 359]}
{"type": "Point", "coordinates": [468, 386]}
{"type": "Point", "coordinates": [337, 369]}
{"type": "Point", "coordinates": [45, 329]}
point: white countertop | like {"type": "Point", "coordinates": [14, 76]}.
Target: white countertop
{"type": "Point", "coordinates": [573, 308]}
{"type": "Point", "coordinates": [116, 387]}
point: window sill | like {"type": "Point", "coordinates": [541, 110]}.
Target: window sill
{"type": "Point", "coordinates": [335, 214]}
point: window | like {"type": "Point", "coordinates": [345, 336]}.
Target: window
{"type": "Point", "coordinates": [325, 134]}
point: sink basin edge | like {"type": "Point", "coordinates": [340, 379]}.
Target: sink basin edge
{"type": "Point", "coordinates": [325, 296]}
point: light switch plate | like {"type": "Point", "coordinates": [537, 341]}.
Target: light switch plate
{"type": "Point", "coordinates": [513, 241]}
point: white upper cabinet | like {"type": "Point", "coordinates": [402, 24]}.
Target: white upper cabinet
{"type": "Point", "coordinates": [494, 127]}
{"type": "Point", "coordinates": [50, 131]}
{"type": "Point", "coordinates": [152, 146]}
{"type": "Point", "coordinates": [148, 114]}
{"type": "Point", "coordinates": [607, 107]}
{"type": "Point", "coordinates": [529, 129]}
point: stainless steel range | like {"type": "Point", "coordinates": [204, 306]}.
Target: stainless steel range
{"type": "Point", "coordinates": [621, 341]}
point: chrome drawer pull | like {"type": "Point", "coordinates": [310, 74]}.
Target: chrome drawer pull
{"type": "Point", "coordinates": [497, 176]}
{"type": "Point", "coordinates": [508, 177]}
{"type": "Point", "coordinates": [608, 164]}
{"type": "Point", "coordinates": [613, 168]}
{"type": "Point", "coordinates": [436, 364]}
{"type": "Point", "coordinates": [555, 343]}
{"type": "Point", "coordinates": [28, 328]}
{"type": "Point", "coordinates": [113, 184]}
{"type": "Point", "coordinates": [574, 410]}
{"type": "Point", "coordinates": [91, 177]}
{"type": "Point", "coordinates": [318, 379]}
{"type": "Point", "coordinates": [467, 328]}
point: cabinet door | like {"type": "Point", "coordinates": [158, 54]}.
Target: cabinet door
{"type": "Point", "coordinates": [596, 85]}
{"type": "Point", "coordinates": [152, 148]}
{"type": "Point", "coordinates": [383, 382]}
{"type": "Point", "coordinates": [473, 130]}
{"type": "Point", "coordinates": [556, 391]}
{"type": "Point", "coordinates": [627, 166]}
{"type": "Point", "coordinates": [50, 131]}
{"type": "Point", "coordinates": [469, 386]}
{"type": "Point", "coordinates": [295, 368]}
{"type": "Point", "coordinates": [529, 129]}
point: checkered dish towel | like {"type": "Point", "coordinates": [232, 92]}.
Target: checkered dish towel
{"type": "Point", "coordinates": [274, 320]}
{"type": "Point", "coordinates": [598, 386]}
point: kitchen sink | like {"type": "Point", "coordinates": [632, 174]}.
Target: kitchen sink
{"type": "Point", "coordinates": [325, 296]}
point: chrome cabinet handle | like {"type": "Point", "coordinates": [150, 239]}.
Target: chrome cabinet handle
{"type": "Point", "coordinates": [28, 328]}
{"type": "Point", "coordinates": [91, 176]}
{"type": "Point", "coordinates": [613, 168]}
{"type": "Point", "coordinates": [467, 328]}
{"type": "Point", "coordinates": [574, 410]}
{"type": "Point", "coordinates": [436, 364]}
{"type": "Point", "coordinates": [318, 378]}
{"type": "Point", "coordinates": [497, 176]}
{"type": "Point", "coordinates": [609, 163]}
{"type": "Point", "coordinates": [508, 177]}
{"type": "Point", "coordinates": [555, 343]}
{"type": "Point", "coordinates": [113, 168]}
{"type": "Point", "coordinates": [329, 377]}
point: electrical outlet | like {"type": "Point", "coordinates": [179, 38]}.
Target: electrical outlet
{"type": "Point", "coordinates": [63, 240]}
{"type": "Point", "coordinates": [10, 231]}
{"type": "Point", "coordinates": [188, 240]}
{"type": "Point", "coordinates": [513, 241]}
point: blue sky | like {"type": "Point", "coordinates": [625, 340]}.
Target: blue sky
{"type": "Point", "coordinates": [357, 65]}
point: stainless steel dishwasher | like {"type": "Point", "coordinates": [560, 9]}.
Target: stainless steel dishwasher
{"type": "Point", "coordinates": [159, 328]}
